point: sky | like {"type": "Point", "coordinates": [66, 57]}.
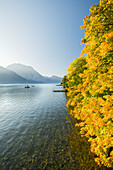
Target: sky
{"type": "Point", "coordinates": [44, 34]}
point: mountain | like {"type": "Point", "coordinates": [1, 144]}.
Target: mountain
{"type": "Point", "coordinates": [7, 76]}
{"type": "Point", "coordinates": [26, 72]}
{"type": "Point", "coordinates": [30, 73]}
{"type": "Point", "coordinates": [53, 79]}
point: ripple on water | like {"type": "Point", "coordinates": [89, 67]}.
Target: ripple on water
{"type": "Point", "coordinates": [33, 128]}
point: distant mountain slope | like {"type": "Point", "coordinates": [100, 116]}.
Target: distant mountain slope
{"type": "Point", "coordinates": [7, 76]}
{"type": "Point", "coordinates": [26, 72]}
{"type": "Point", "coordinates": [29, 73]}
{"type": "Point", "coordinates": [53, 79]}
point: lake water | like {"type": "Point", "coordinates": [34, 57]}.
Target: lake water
{"type": "Point", "coordinates": [33, 128]}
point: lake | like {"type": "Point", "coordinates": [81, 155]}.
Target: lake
{"type": "Point", "coordinates": [33, 128]}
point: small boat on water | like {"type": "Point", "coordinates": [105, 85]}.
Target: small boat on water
{"type": "Point", "coordinates": [27, 86]}
{"type": "Point", "coordinates": [33, 86]}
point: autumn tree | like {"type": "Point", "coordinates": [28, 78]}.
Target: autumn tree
{"type": "Point", "coordinates": [93, 99]}
{"type": "Point", "coordinates": [65, 81]}
{"type": "Point", "coordinates": [76, 67]}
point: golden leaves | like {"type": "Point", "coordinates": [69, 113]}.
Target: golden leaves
{"type": "Point", "coordinates": [90, 83]}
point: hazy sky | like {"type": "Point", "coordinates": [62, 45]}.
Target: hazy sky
{"type": "Point", "coordinates": [44, 34]}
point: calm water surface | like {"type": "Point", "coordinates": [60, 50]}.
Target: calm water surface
{"type": "Point", "coordinates": [33, 128]}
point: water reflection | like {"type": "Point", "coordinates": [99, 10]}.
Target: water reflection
{"type": "Point", "coordinates": [33, 129]}
{"type": "Point", "coordinates": [80, 149]}
{"type": "Point", "coordinates": [37, 133]}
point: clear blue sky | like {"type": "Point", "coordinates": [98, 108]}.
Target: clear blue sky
{"type": "Point", "coordinates": [44, 34]}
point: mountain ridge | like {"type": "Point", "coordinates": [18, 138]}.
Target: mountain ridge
{"type": "Point", "coordinates": [8, 76]}
{"type": "Point", "coordinates": [19, 73]}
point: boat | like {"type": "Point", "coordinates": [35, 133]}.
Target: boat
{"type": "Point", "coordinates": [33, 86]}
{"type": "Point", "coordinates": [27, 86]}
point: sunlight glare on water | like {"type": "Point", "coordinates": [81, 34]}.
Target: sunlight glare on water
{"type": "Point", "coordinates": [33, 128]}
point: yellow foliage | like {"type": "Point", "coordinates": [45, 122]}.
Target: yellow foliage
{"type": "Point", "coordinates": [90, 83]}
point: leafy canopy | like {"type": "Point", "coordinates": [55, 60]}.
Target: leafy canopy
{"type": "Point", "coordinates": [90, 82]}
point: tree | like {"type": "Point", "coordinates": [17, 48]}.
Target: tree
{"type": "Point", "coordinates": [64, 81]}
{"type": "Point", "coordinates": [93, 99]}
